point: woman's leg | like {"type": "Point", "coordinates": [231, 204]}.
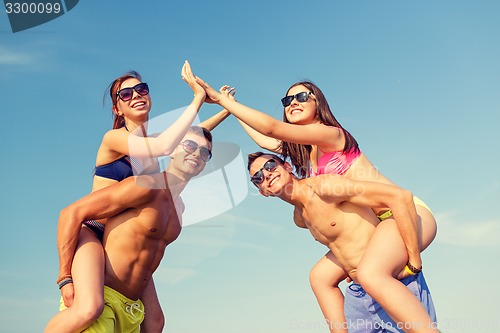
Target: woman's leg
{"type": "Point", "coordinates": [384, 259]}
{"type": "Point", "coordinates": [88, 281]}
{"type": "Point", "coordinates": [154, 319]}
{"type": "Point", "coordinates": [324, 278]}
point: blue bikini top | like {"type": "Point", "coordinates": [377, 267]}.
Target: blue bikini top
{"type": "Point", "coordinates": [118, 169]}
{"type": "Point", "coordinates": [124, 167]}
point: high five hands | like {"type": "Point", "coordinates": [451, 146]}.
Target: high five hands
{"type": "Point", "coordinates": [188, 76]}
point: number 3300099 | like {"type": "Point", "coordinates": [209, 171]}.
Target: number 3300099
{"type": "Point", "coordinates": [32, 8]}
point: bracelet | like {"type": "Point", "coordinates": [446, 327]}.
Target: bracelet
{"type": "Point", "coordinates": [65, 282]}
{"type": "Point", "coordinates": [64, 277]}
{"type": "Point", "coordinates": [409, 271]}
{"type": "Point", "coordinates": [412, 270]}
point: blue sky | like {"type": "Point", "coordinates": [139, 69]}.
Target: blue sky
{"type": "Point", "coordinates": [415, 82]}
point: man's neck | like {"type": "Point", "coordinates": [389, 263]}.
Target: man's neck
{"type": "Point", "coordinates": [291, 192]}
{"type": "Point", "coordinates": [176, 183]}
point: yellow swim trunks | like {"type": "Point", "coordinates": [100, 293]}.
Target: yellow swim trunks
{"type": "Point", "coordinates": [416, 200]}
{"type": "Point", "coordinates": [120, 315]}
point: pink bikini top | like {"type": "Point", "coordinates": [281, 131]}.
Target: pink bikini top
{"type": "Point", "coordinates": [337, 162]}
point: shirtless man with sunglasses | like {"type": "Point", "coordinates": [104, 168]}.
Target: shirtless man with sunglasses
{"type": "Point", "coordinates": [338, 213]}
{"type": "Point", "coordinates": [142, 216]}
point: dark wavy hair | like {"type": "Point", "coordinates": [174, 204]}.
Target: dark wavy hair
{"type": "Point", "coordinates": [299, 154]}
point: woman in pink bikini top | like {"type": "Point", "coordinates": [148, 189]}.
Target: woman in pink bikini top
{"type": "Point", "coordinates": [315, 143]}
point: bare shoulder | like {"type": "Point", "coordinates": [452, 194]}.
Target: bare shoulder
{"type": "Point", "coordinates": [321, 181]}
{"type": "Point", "coordinates": [331, 186]}
{"type": "Point", "coordinates": [309, 185]}
{"type": "Point", "coordinates": [334, 137]}
{"type": "Point", "coordinates": [114, 134]}
{"type": "Point", "coordinates": [331, 180]}
{"type": "Point", "coordinates": [111, 133]}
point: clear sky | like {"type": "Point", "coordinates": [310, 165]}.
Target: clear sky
{"type": "Point", "coordinates": [416, 82]}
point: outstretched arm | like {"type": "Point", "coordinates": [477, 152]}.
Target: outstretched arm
{"type": "Point", "coordinates": [378, 195]}
{"type": "Point", "coordinates": [218, 118]}
{"type": "Point", "coordinates": [329, 138]}
{"type": "Point", "coordinates": [215, 120]}
{"type": "Point", "coordinates": [165, 143]}
{"type": "Point", "coordinates": [262, 140]}
{"type": "Point", "coordinates": [100, 204]}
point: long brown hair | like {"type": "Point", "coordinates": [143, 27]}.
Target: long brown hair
{"type": "Point", "coordinates": [118, 121]}
{"type": "Point", "coordinates": [299, 154]}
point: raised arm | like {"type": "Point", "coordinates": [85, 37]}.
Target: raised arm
{"type": "Point", "coordinates": [100, 204]}
{"type": "Point", "coordinates": [166, 142]}
{"type": "Point", "coordinates": [215, 120]}
{"type": "Point", "coordinates": [378, 195]}
{"type": "Point", "coordinates": [262, 140]}
{"type": "Point", "coordinates": [328, 138]}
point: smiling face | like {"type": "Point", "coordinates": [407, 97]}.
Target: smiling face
{"type": "Point", "coordinates": [137, 108]}
{"type": "Point", "coordinates": [187, 165]}
{"type": "Point", "coordinates": [301, 113]}
{"type": "Point", "coordinates": [274, 179]}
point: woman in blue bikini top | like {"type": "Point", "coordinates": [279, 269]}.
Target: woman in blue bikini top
{"type": "Point", "coordinates": [131, 104]}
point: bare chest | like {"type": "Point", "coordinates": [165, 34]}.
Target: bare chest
{"type": "Point", "coordinates": [161, 220]}
{"type": "Point", "coordinates": [157, 220]}
{"type": "Point", "coordinates": [323, 221]}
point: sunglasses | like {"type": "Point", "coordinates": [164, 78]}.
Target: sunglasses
{"type": "Point", "coordinates": [126, 94]}
{"type": "Point", "coordinates": [258, 177]}
{"type": "Point", "coordinates": [191, 146]}
{"type": "Point", "coordinates": [300, 97]}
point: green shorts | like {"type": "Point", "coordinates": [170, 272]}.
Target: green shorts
{"type": "Point", "coordinates": [120, 315]}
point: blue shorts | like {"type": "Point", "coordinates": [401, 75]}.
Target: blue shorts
{"type": "Point", "coordinates": [364, 315]}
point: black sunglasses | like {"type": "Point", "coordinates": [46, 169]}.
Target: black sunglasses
{"type": "Point", "coordinates": [191, 146]}
{"type": "Point", "coordinates": [258, 177]}
{"type": "Point", "coordinates": [126, 94]}
{"type": "Point", "coordinates": [300, 97]}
